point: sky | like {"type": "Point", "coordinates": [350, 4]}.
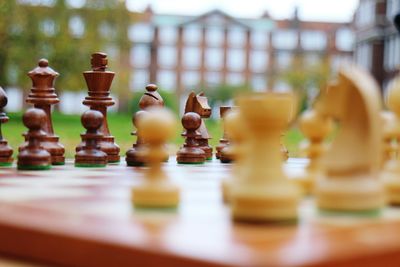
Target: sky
{"type": "Point", "coordinates": [320, 10]}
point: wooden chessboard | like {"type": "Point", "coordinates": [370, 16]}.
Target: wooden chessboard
{"type": "Point", "coordinates": [84, 217]}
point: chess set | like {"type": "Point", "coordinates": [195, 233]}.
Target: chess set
{"type": "Point", "coordinates": [243, 204]}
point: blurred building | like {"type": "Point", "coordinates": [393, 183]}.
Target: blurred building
{"type": "Point", "coordinates": [185, 52]}
{"type": "Point", "coordinates": [377, 45]}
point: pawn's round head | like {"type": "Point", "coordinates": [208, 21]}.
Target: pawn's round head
{"type": "Point", "coordinates": [3, 98]}
{"type": "Point", "coordinates": [43, 63]}
{"type": "Point", "coordinates": [393, 96]}
{"type": "Point", "coordinates": [34, 118]}
{"type": "Point", "coordinates": [157, 125]}
{"type": "Point", "coordinates": [191, 121]}
{"type": "Point", "coordinates": [92, 119]}
{"type": "Point", "coordinates": [233, 122]}
{"type": "Point", "coordinates": [151, 87]}
{"type": "Point", "coordinates": [315, 126]}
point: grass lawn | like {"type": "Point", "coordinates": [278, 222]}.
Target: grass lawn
{"type": "Point", "coordinates": [69, 127]}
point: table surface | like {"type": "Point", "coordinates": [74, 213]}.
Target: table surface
{"type": "Point", "coordinates": [84, 217]}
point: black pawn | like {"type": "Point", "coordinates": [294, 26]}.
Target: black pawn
{"type": "Point", "coordinates": [133, 157]}
{"type": "Point", "coordinates": [5, 150]}
{"type": "Point", "coordinates": [34, 156]}
{"type": "Point", "coordinates": [191, 153]}
{"type": "Point", "coordinates": [90, 154]}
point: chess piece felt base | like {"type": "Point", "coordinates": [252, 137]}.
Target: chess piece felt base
{"type": "Point", "coordinates": [272, 202]}
{"type": "Point", "coordinates": [355, 194]}
{"type": "Point", "coordinates": [154, 195]}
{"type": "Point", "coordinates": [134, 158]}
{"type": "Point", "coordinates": [190, 155]}
{"type": "Point", "coordinates": [5, 154]}
{"type": "Point", "coordinates": [34, 159]}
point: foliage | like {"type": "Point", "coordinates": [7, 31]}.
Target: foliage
{"type": "Point", "coordinates": [224, 93]}
{"type": "Point", "coordinates": [29, 32]}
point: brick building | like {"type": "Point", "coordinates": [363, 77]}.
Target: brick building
{"type": "Point", "coordinates": [377, 45]}
{"type": "Point", "coordinates": [185, 52]}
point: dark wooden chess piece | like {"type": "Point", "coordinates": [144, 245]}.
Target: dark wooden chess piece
{"type": "Point", "coordinates": [199, 104]}
{"type": "Point", "coordinates": [223, 142]}
{"type": "Point", "coordinates": [5, 150]}
{"type": "Point", "coordinates": [133, 157]}
{"type": "Point", "coordinates": [33, 156]}
{"type": "Point", "coordinates": [151, 98]}
{"type": "Point", "coordinates": [99, 81]}
{"type": "Point", "coordinates": [43, 96]}
{"type": "Point", "coordinates": [190, 152]}
{"type": "Point", "coordinates": [90, 154]}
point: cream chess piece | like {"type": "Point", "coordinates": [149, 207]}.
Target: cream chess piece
{"type": "Point", "coordinates": [315, 128]}
{"type": "Point", "coordinates": [391, 168]}
{"type": "Point", "coordinates": [351, 166]}
{"type": "Point", "coordinates": [262, 192]}
{"type": "Point", "coordinates": [156, 190]}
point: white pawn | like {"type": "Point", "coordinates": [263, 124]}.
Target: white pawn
{"type": "Point", "coordinates": [157, 190]}
{"type": "Point", "coordinates": [315, 128]}
{"type": "Point", "coordinates": [391, 169]}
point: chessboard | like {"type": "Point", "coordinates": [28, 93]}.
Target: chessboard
{"type": "Point", "coordinates": [72, 216]}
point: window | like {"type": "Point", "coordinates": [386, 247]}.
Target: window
{"type": "Point", "coordinates": [139, 79]}
{"type": "Point", "coordinates": [338, 60]}
{"type": "Point", "coordinates": [283, 59]}
{"type": "Point", "coordinates": [282, 86]}
{"type": "Point", "coordinates": [214, 58]}
{"type": "Point", "coordinates": [258, 60]}
{"type": "Point", "coordinates": [215, 36]}
{"type": "Point", "coordinates": [191, 57]}
{"type": "Point", "coordinates": [166, 80]}
{"type": "Point", "coordinates": [168, 35]}
{"type": "Point", "coordinates": [259, 39]}
{"type": "Point", "coordinates": [236, 59]}
{"type": "Point", "coordinates": [76, 3]}
{"type": "Point", "coordinates": [392, 53]}
{"type": "Point", "coordinates": [192, 34]}
{"type": "Point", "coordinates": [237, 37]}
{"type": "Point", "coordinates": [213, 78]}
{"type": "Point", "coordinates": [363, 55]}
{"type": "Point", "coordinates": [235, 78]}
{"type": "Point", "coordinates": [140, 32]}
{"type": "Point", "coordinates": [76, 26]}
{"type": "Point", "coordinates": [48, 27]}
{"type": "Point", "coordinates": [167, 56]}
{"type": "Point", "coordinates": [313, 40]}
{"type": "Point", "coordinates": [284, 39]}
{"type": "Point", "coordinates": [191, 78]}
{"type": "Point", "coordinates": [258, 83]}
{"type": "Point", "coordinates": [366, 13]}
{"type": "Point", "coordinates": [140, 56]}
{"type": "Point", "coordinates": [393, 7]}
{"type": "Point", "coordinates": [344, 39]}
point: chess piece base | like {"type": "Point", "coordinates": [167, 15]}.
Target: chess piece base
{"type": "Point", "coordinates": [152, 195]}
{"type": "Point", "coordinates": [90, 158]}
{"type": "Point", "coordinates": [222, 144]}
{"type": "Point", "coordinates": [190, 155]}
{"type": "Point", "coordinates": [133, 158]}
{"type": "Point", "coordinates": [391, 180]}
{"type": "Point", "coordinates": [355, 194]}
{"type": "Point", "coordinates": [265, 203]}
{"type": "Point", "coordinates": [33, 159]}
